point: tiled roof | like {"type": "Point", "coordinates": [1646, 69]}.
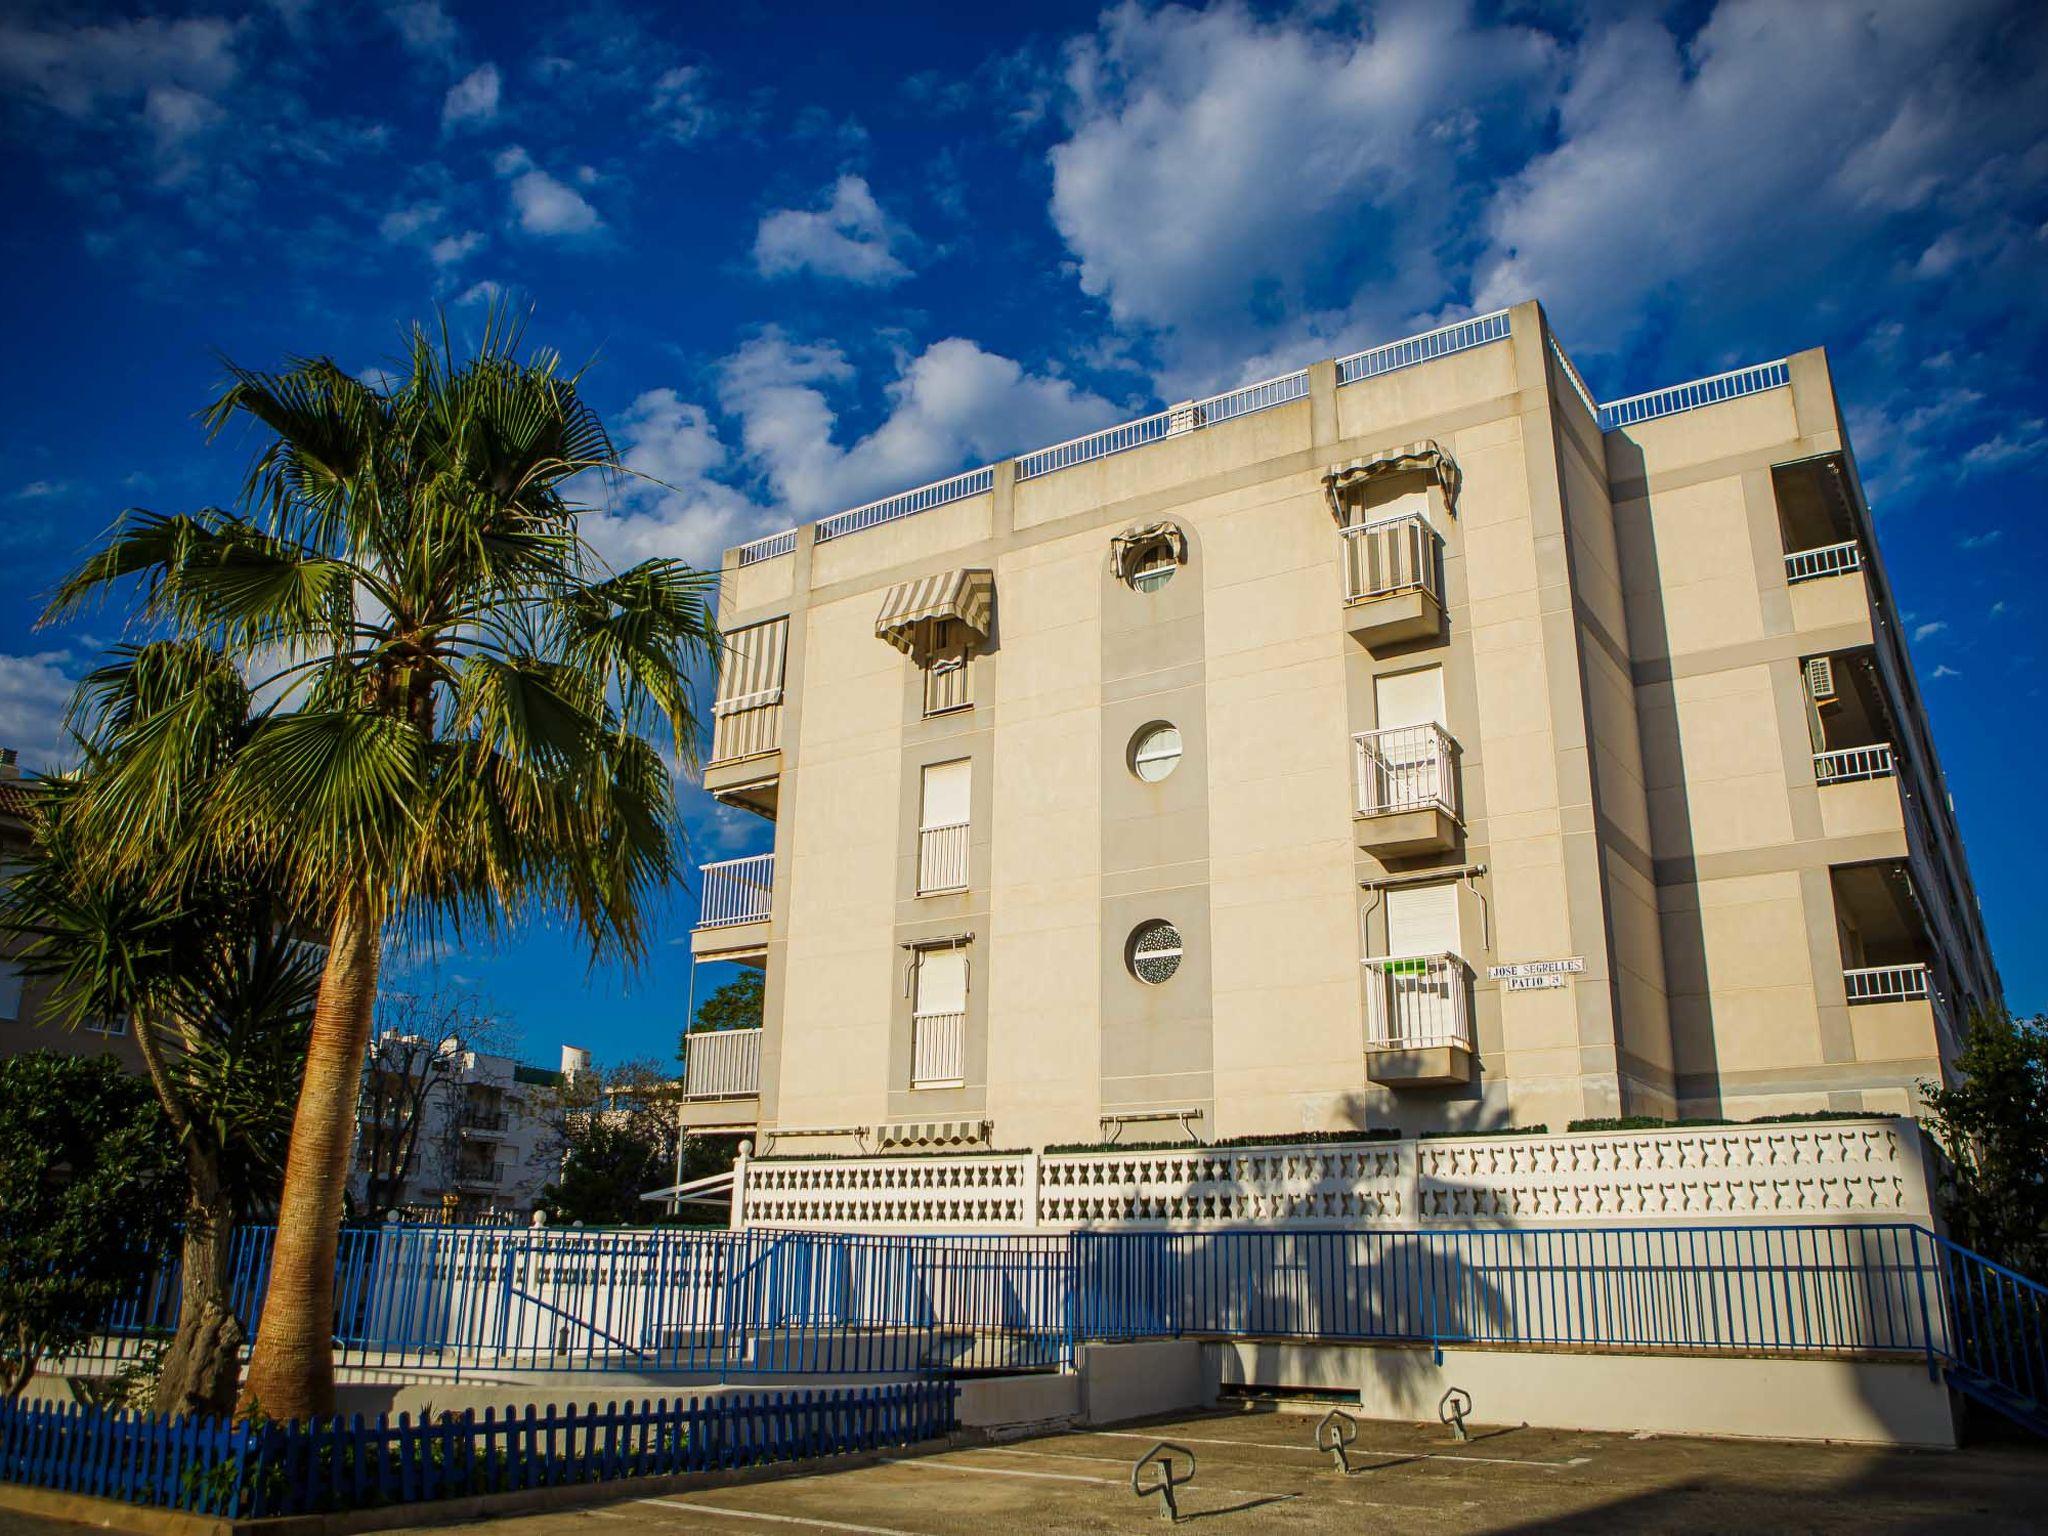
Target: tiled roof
{"type": "Point", "coordinates": [16, 797]}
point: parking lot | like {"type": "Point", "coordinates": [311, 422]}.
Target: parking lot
{"type": "Point", "coordinates": [1259, 1472]}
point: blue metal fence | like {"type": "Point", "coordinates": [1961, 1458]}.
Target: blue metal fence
{"type": "Point", "coordinates": [252, 1470]}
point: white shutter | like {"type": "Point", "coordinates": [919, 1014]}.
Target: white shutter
{"type": "Point", "coordinates": [1409, 698]}
{"type": "Point", "coordinates": [1423, 919]}
{"type": "Point", "coordinates": [947, 797]}
{"type": "Point", "coordinates": [941, 981]}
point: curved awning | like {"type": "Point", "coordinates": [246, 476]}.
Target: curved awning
{"type": "Point", "coordinates": [913, 611]}
{"type": "Point", "coordinates": [1425, 454]}
{"type": "Point", "coordinates": [1131, 540]}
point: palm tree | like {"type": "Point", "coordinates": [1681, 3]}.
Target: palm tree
{"type": "Point", "coordinates": [464, 698]}
{"type": "Point", "coordinates": [207, 969]}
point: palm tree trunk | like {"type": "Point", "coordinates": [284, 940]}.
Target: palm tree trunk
{"type": "Point", "coordinates": [202, 1367]}
{"type": "Point", "coordinates": [291, 1371]}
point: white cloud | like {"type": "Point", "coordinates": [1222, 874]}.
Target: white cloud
{"type": "Point", "coordinates": [485, 291]}
{"type": "Point", "coordinates": [1945, 670]}
{"type": "Point", "coordinates": [473, 99]}
{"type": "Point", "coordinates": [1233, 184]}
{"type": "Point", "coordinates": [408, 222]}
{"type": "Point", "coordinates": [673, 504]}
{"type": "Point", "coordinates": [81, 70]}
{"type": "Point", "coordinates": [681, 103]}
{"type": "Point", "coordinates": [1730, 167]}
{"type": "Point", "coordinates": [2024, 440]}
{"type": "Point", "coordinates": [544, 205]}
{"type": "Point", "coordinates": [1928, 630]}
{"type": "Point", "coordinates": [849, 237]}
{"type": "Point", "coordinates": [450, 249]}
{"type": "Point", "coordinates": [423, 26]}
{"type": "Point", "coordinates": [35, 692]}
{"type": "Point", "coordinates": [951, 405]}
{"type": "Point", "coordinates": [42, 490]}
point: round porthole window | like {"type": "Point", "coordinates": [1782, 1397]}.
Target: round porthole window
{"type": "Point", "coordinates": [1154, 951]}
{"type": "Point", "coordinates": [1155, 751]}
{"type": "Point", "coordinates": [1152, 565]}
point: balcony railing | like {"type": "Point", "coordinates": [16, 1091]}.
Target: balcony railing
{"type": "Point", "coordinates": [938, 1050]}
{"type": "Point", "coordinates": [747, 727]}
{"type": "Point", "coordinates": [1886, 983]}
{"type": "Point", "coordinates": [1847, 765]}
{"type": "Point", "coordinates": [480, 1178]}
{"type": "Point", "coordinates": [942, 859]}
{"type": "Point", "coordinates": [1829, 560]}
{"type": "Point", "coordinates": [1407, 768]}
{"type": "Point", "coordinates": [736, 891]}
{"type": "Point", "coordinates": [722, 1064]}
{"type": "Point", "coordinates": [1417, 1001]}
{"type": "Point", "coordinates": [1395, 554]}
{"type": "Point", "coordinates": [486, 1120]}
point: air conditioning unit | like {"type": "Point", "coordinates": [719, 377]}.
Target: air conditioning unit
{"type": "Point", "coordinates": [1820, 679]}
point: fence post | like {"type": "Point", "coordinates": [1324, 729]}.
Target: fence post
{"type": "Point", "coordinates": [739, 1184]}
{"type": "Point", "coordinates": [1028, 1211]}
{"type": "Point", "coordinates": [1920, 1284]}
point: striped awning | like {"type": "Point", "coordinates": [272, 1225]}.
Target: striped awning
{"type": "Point", "coordinates": [914, 611]}
{"type": "Point", "coordinates": [1424, 454]}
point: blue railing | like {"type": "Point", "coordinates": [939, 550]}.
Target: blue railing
{"type": "Point", "coordinates": [1995, 1332]}
{"type": "Point", "coordinates": [256, 1470]}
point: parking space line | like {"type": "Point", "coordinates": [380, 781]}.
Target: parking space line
{"type": "Point", "coordinates": [932, 1464]}
{"type": "Point", "coordinates": [757, 1514]}
{"type": "Point", "coordinates": [1356, 1450]}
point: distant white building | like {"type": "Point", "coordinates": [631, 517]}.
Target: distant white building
{"type": "Point", "coordinates": [459, 1135]}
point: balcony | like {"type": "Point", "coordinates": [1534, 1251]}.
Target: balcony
{"type": "Point", "coordinates": [938, 1050]}
{"type": "Point", "coordinates": [722, 1064]}
{"type": "Point", "coordinates": [1393, 581]}
{"type": "Point", "coordinates": [745, 768]}
{"type": "Point", "coordinates": [1887, 983]}
{"type": "Point", "coordinates": [1407, 781]}
{"type": "Point", "coordinates": [1418, 1029]}
{"type": "Point", "coordinates": [942, 859]}
{"type": "Point", "coordinates": [483, 1122]}
{"type": "Point", "coordinates": [1841, 559]}
{"type": "Point", "coordinates": [1854, 765]}
{"type": "Point", "coordinates": [479, 1177]}
{"type": "Point", "coordinates": [734, 900]}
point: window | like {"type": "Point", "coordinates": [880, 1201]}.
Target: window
{"type": "Point", "coordinates": [938, 1019]}
{"type": "Point", "coordinates": [111, 1028]}
{"type": "Point", "coordinates": [1423, 919]}
{"type": "Point", "coordinates": [942, 827]}
{"type": "Point", "coordinates": [1155, 751]}
{"type": "Point", "coordinates": [10, 990]}
{"type": "Point", "coordinates": [1152, 566]}
{"type": "Point", "coordinates": [747, 709]}
{"type": "Point", "coordinates": [1154, 951]}
{"type": "Point", "coordinates": [947, 675]}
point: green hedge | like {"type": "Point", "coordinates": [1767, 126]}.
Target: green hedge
{"type": "Point", "coordinates": [1653, 1123]}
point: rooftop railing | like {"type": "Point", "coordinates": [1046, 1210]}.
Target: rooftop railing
{"type": "Point", "coordinates": [1191, 415]}
{"type": "Point", "coordinates": [1690, 396]}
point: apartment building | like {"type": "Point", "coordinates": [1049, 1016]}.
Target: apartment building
{"type": "Point", "coordinates": [1407, 742]}
{"type": "Point", "coordinates": [446, 1133]}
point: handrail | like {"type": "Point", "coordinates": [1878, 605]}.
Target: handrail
{"type": "Point", "coordinates": [1694, 393]}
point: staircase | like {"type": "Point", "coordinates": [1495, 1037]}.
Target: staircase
{"type": "Point", "coordinates": [1993, 1345]}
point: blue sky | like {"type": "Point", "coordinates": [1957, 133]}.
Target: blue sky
{"type": "Point", "coordinates": [819, 253]}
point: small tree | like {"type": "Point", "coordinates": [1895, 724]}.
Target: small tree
{"type": "Point", "coordinates": [1993, 1124]}
{"type": "Point", "coordinates": [620, 1138]}
{"type": "Point", "coordinates": [89, 1186]}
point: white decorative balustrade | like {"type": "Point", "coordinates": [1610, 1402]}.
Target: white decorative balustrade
{"type": "Point", "coordinates": [1850, 1170]}
{"type": "Point", "coordinates": [1886, 983]}
{"type": "Point", "coordinates": [1848, 765]}
{"type": "Point", "coordinates": [938, 1050]}
{"type": "Point", "coordinates": [722, 1063]}
{"type": "Point", "coordinates": [1407, 768]}
{"type": "Point", "coordinates": [736, 891]}
{"type": "Point", "coordinates": [942, 858]}
{"type": "Point", "coordinates": [1395, 554]}
{"type": "Point", "coordinates": [1416, 1002]}
{"type": "Point", "coordinates": [1829, 560]}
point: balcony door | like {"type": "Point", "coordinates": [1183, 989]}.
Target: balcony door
{"type": "Point", "coordinates": [1408, 762]}
{"type": "Point", "coordinates": [946, 795]}
{"type": "Point", "coordinates": [1423, 995]}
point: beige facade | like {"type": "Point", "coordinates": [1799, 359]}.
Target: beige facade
{"type": "Point", "coordinates": [1406, 672]}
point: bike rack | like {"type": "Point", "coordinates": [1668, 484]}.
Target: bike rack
{"type": "Point", "coordinates": [1456, 1404]}
{"type": "Point", "coordinates": [1161, 1456]}
{"type": "Point", "coordinates": [1336, 1433]}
